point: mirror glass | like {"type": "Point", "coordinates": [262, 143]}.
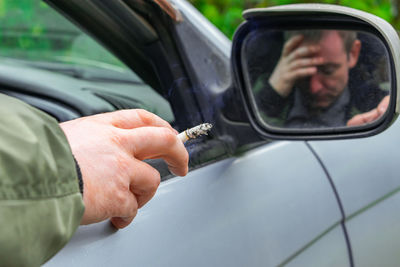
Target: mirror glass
{"type": "Point", "coordinates": [316, 79]}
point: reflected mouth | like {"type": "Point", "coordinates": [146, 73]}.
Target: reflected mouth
{"type": "Point", "coordinates": [322, 100]}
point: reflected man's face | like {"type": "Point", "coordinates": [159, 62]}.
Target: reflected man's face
{"type": "Point", "coordinates": [331, 78]}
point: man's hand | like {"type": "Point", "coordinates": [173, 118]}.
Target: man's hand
{"type": "Point", "coordinates": [110, 149]}
{"type": "Point", "coordinates": [297, 61]}
{"type": "Point", "coordinates": [371, 115]}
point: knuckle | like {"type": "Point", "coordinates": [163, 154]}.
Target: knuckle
{"type": "Point", "coordinates": [124, 204]}
{"type": "Point", "coordinates": [120, 203]}
{"type": "Point", "coordinates": [146, 117]}
{"type": "Point", "coordinates": [132, 209]}
{"type": "Point", "coordinates": [155, 180]}
{"type": "Point", "coordinates": [120, 116]}
{"type": "Point", "coordinates": [120, 198]}
{"type": "Point", "coordinates": [298, 53]}
{"type": "Point", "coordinates": [123, 164]}
{"type": "Point", "coordinates": [117, 138]}
{"type": "Point", "coordinates": [169, 136]}
{"type": "Point", "coordinates": [129, 210]}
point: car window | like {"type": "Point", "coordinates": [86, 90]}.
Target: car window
{"type": "Point", "coordinates": [33, 34]}
{"type": "Point", "coordinates": [31, 30]}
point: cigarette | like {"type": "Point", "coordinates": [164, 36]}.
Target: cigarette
{"type": "Point", "coordinates": [195, 132]}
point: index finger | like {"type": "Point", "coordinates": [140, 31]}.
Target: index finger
{"type": "Point", "coordinates": [383, 105]}
{"type": "Point", "coordinates": [291, 44]}
{"type": "Point", "coordinates": [158, 142]}
{"type": "Point", "coordinates": [133, 118]}
{"type": "Point", "coordinates": [363, 118]}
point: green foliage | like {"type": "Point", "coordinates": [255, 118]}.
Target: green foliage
{"type": "Point", "coordinates": [28, 28]}
{"type": "Point", "coordinates": [24, 30]}
{"type": "Point", "coordinates": [227, 14]}
{"type": "Point", "coordinates": [31, 30]}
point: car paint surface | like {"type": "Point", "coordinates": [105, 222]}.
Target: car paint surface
{"type": "Point", "coordinates": [294, 203]}
{"type": "Point", "coordinates": [365, 174]}
{"type": "Point", "coordinates": [242, 211]}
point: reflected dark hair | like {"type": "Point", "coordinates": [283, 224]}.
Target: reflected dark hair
{"type": "Point", "coordinates": [348, 37]}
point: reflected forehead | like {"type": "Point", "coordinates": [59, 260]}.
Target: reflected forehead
{"type": "Point", "coordinates": [331, 46]}
{"type": "Point", "coordinates": [332, 39]}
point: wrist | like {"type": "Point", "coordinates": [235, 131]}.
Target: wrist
{"type": "Point", "coordinates": [79, 174]}
{"type": "Point", "coordinates": [280, 88]}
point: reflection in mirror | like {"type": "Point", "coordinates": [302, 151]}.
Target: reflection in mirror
{"type": "Point", "coordinates": [317, 78]}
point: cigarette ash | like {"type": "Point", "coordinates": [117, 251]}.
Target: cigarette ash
{"type": "Point", "coordinates": [198, 130]}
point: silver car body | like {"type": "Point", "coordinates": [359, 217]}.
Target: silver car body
{"type": "Point", "coordinates": [320, 203]}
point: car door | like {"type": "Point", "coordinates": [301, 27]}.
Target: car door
{"type": "Point", "coordinates": [250, 210]}
{"type": "Point", "coordinates": [363, 171]}
{"type": "Point", "coordinates": [367, 181]}
{"type": "Point", "coordinates": [245, 202]}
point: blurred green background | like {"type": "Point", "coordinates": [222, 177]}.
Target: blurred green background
{"type": "Point", "coordinates": [30, 29]}
{"type": "Point", "coordinates": [227, 14]}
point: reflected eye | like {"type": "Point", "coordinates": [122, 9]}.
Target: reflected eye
{"type": "Point", "coordinates": [328, 69]}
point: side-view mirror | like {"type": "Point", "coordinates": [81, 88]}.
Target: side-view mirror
{"type": "Point", "coordinates": [315, 71]}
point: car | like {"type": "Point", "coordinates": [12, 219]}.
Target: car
{"type": "Point", "coordinates": [256, 195]}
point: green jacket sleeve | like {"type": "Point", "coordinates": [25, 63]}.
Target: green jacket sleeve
{"type": "Point", "coordinates": [40, 202]}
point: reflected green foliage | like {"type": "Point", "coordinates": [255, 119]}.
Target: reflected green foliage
{"type": "Point", "coordinates": [227, 14]}
{"type": "Point", "coordinates": [24, 26]}
{"type": "Point", "coordinates": [31, 30]}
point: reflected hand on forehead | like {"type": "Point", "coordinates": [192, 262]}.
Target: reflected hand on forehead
{"type": "Point", "coordinates": [303, 51]}
{"type": "Point", "coordinates": [298, 60]}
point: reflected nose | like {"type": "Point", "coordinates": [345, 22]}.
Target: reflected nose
{"type": "Point", "coordinates": [315, 84]}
